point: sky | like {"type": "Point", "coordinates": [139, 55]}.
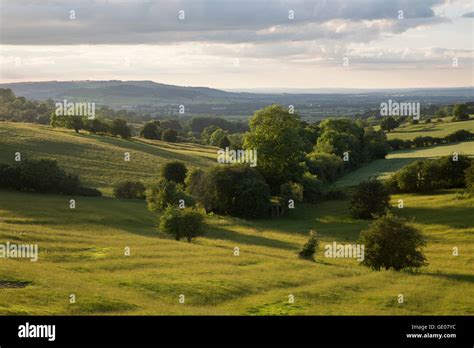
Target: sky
{"type": "Point", "coordinates": [241, 44]}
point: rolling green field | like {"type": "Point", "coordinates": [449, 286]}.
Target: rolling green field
{"type": "Point", "coordinates": [82, 253]}
{"type": "Point", "coordinates": [82, 250]}
{"type": "Point", "coordinates": [395, 160]}
{"type": "Point", "coordinates": [98, 160]}
{"type": "Point", "coordinates": [433, 129]}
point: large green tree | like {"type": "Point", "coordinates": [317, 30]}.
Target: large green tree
{"type": "Point", "coordinates": [275, 134]}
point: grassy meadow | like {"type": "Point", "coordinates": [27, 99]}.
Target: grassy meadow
{"type": "Point", "coordinates": [82, 250]}
{"type": "Point", "coordinates": [383, 168]}
{"type": "Point", "coordinates": [433, 129]}
{"type": "Point", "coordinates": [98, 160]}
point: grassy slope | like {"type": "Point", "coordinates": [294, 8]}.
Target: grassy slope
{"type": "Point", "coordinates": [432, 129]}
{"type": "Point", "coordinates": [98, 160]}
{"type": "Point", "coordinates": [81, 251]}
{"type": "Point", "coordinates": [397, 159]}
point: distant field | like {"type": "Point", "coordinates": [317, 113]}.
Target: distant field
{"type": "Point", "coordinates": [82, 253]}
{"type": "Point", "coordinates": [397, 159]}
{"type": "Point", "coordinates": [98, 160]}
{"type": "Point", "coordinates": [432, 129]}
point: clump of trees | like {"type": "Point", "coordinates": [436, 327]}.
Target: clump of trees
{"type": "Point", "coordinates": [431, 174]}
{"type": "Point", "coordinates": [116, 127]}
{"type": "Point", "coordinates": [130, 190]}
{"type": "Point", "coordinates": [369, 199]}
{"type": "Point", "coordinates": [43, 176]}
{"type": "Point", "coordinates": [391, 243]}
{"type": "Point", "coordinates": [20, 109]}
{"type": "Point", "coordinates": [350, 142]}
{"type": "Point", "coordinates": [236, 190]}
{"type": "Point", "coordinates": [460, 112]}
{"type": "Point", "coordinates": [178, 215]}
{"type": "Point", "coordinates": [166, 193]}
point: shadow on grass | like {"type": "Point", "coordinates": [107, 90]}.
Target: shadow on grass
{"type": "Point", "coordinates": [148, 148]}
{"type": "Point", "coordinates": [423, 129]}
{"type": "Point", "coordinates": [241, 238]}
{"type": "Point", "coordinates": [92, 213]}
{"type": "Point", "coordinates": [454, 217]}
{"type": "Point", "coordinates": [451, 276]}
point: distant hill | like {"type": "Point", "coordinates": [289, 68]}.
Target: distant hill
{"type": "Point", "coordinates": [165, 99]}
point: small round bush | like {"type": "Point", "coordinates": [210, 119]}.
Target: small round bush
{"type": "Point", "coordinates": [170, 135]}
{"type": "Point", "coordinates": [391, 243]}
{"type": "Point", "coordinates": [174, 171]}
{"type": "Point", "coordinates": [369, 198]}
{"type": "Point", "coordinates": [130, 189]}
{"type": "Point", "coordinates": [182, 223]}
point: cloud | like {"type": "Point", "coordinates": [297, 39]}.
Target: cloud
{"type": "Point", "coordinates": [225, 21]}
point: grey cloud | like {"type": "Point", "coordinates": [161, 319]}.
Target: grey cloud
{"type": "Point", "coordinates": [227, 21]}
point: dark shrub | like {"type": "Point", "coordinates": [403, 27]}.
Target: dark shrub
{"type": "Point", "coordinates": [391, 243]}
{"type": "Point", "coordinates": [459, 135]}
{"type": "Point", "coordinates": [224, 142]}
{"type": "Point", "coordinates": [469, 177]}
{"type": "Point", "coordinates": [97, 126]}
{"type": "Point", "coordinates": [10, 177]}
{"type": "Point", "coordinates": [309, 249]}
{"type": "Point", "coordinates": [369, 198]}
{"type": "Point", "coordinates": [120, 128]}
{"type": "Point", "coordinates": [174, 171]}
{"type": "Point", "coordinates": [151, 130]}
{"type": "Point", "coordinates": [130, 189]}
{"type": "Point", "coordinates": [43, 176]}
{"type": "Point", "coordinates": [170, 135]}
